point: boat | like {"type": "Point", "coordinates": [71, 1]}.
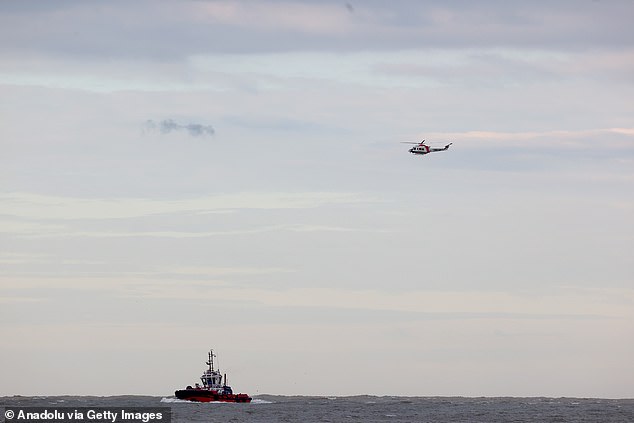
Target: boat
{"type": "Point", "coordinates": [213, 387]}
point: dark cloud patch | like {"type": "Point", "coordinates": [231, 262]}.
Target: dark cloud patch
{"type": "Point", "coordinates": [167, 126]}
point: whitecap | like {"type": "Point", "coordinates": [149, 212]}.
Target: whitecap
{"type": "Point", "coordinates": [173, 399]}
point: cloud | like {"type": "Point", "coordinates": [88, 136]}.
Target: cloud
{"type": "Point", "coordinates": [167, 126]}
{"type": "Point", "coordinates": [618, 140]}
{"type": "Point", "coordinates": [117, 28]}
{"type": "Point", "coordinates": [34, 206]}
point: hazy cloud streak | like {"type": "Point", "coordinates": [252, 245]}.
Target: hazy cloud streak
{"type": "Point", "coordinates": [32, 206]}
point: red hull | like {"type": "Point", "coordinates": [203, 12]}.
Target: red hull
{"type": "Point", "coordinates": [202, 395]}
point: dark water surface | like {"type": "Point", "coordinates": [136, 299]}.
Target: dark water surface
{"type": "Point", "coordinates": [269, 408]}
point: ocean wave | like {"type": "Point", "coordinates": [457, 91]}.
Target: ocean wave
{"type": "Point", "coordinates": [176, 400]}
{"type": "Point", "coordinates": [173, 399]}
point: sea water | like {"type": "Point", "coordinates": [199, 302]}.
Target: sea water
{"type": "Point", "coordinates": [366, 409]}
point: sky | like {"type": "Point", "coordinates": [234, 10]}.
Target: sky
{"type": "Point", "coordinates": [181, 176]}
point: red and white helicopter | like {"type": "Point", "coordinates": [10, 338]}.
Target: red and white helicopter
{"type": "Point", "coordinates": [422, 148]}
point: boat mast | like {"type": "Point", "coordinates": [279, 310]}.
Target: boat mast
{"type": "Point", "coordinates": [210, 362]}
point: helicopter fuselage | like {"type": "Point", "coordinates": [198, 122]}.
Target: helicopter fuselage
{"type": "Point", "coordinates": [420, 149]}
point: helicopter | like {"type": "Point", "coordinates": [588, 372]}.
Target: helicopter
{"type": "Point", "coordinates": [422, 148]}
